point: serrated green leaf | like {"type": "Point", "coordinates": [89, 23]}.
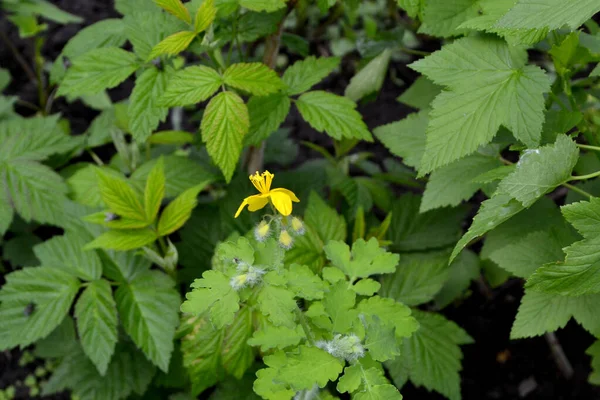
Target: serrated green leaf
{"type": "Point", "coordinates": [492, 213]}
{"type": "Point", "coordinates": [50, 290]}
{"type": "Point", "coordinates": [441, 18]}
{"type": "Point", "coordinates": [267, 113]}
{"type": "Point", "coordinates": [255, 78]}
{"type": "Point", "coordinates": [179, 210]}
{"type": "Point", "coordinates": [267, 385]}
{"type": "Point", "coordinates": [370, 78]}
{"type": "Point", "coordinates": [142, 37]}
{"type": "Point", "coordinates": [205, 16]}
{"type": "Point", "coordinates": [464, 269]}
{"type": "Point", "coordinates": [212, 293]}
{"type": "Point", "coordinates": [178, 138]}
{"type": "Point", "coordinates": [262, 5]}
{"type": "Point", "coordinates": [128, 372]}
{"type": "Point", "coordinates": [60, 343]}
{"type": "Point", "coordinates": [417, 279]}
{"type": "Point", "coordinates": [176, 8]}
{"type": "Point", "coordinates": [594, 351]}
{"type": "Point", "coordinates": [237, 355]}
{"type": "Point", "coordinates": [366, 258]}
{"type": "Point", "coordinates": [276, 337]}
{"type": "Point", "coordinates": [381, 340]}
{"type": "Point", "coordinates": [420, 94]}
{"type": "Point", "coordinates": [541, 170]}
{"type": "Point", "coordinates": [304, 74]}
{"type": "Point", "coordinates": [172, 45]}
{"type": "Point", "coordinates": [489, 86]}
{"type": "Point", "coordinates": [66, 253]}
{"type": "Point", "coordinates": [405, 138]}
{"type": "Point", "coordinates": [32, 139]}
{"type": "Point", "coordinates": [96, 70]}
{"type": "Point", "coordinates": [379, 392]}
{"type": "Point", "coordinates": [409, 230]}
{"type": "Point", "coordinates": [366, 287]}
{"type": "Point", "coordinates": [431, 356]}
{"type": "Point", "coordinates": [388, 310]}
{"type": "Point", "coordinates": [120, 197]}
{"type": "Point", "coordinates": [191, 85]}
{"type": "Point", "coordinates": [123, 240]}
{"type": "Point", "coordinates": [528, 14]}
{"type": "Point", "coordinates": [96, 314]}
{"type": "Point", "coordinates": [278, 305]}
{"type": "Point", "coordinates": [18, 250]}
{"type": "Point", "coordinates": [339, 303]}
{"type": "Point", "coordinates": [144, 110]}
{"type": "Point", "coordinates": [304, 283]}
{"type": "Point", "coordinates": [148, 310]}
{"type": "Point", "coordinates": [309, 366]}
{"type": "Point", "coordinates": [412, 7]}
{"type": "Point", "coordinates": [542, 312]}
{"type": "Point", "coordinates": [43, 8]}
{"type": "Point", "coordinates": [453, 183]}
{"type": "Point", "coordinates": [224, 125]}
{"type": "Point", "coordinates": [332, 114]}
{"type": "Point", "coordinates": [155, 190]}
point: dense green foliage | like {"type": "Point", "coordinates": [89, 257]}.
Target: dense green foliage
{"type": "Point", "coordinates": [153, 287]}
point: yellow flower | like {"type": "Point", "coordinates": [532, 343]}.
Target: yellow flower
{"type": "Point", "coordinates": [279, 197]}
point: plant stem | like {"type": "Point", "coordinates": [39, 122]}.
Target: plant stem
{"type": "Point", "coordinates": [576, 189]}
{"type": "Point", "coordinates": [414, 52]}
{"type": "Point", "coordinates": [560, 358]}
{"type": "Point", "coordinates": [305, 327]}
{"type": "Point", "coordinates": [18, 56]}
{"type": "Point", "coordinates": [584, 177]}
{"type": "Point", "coordinates": [95, 157]}
{"type": "Point", "coordinates": [588, 147]}
{"type": "Point", "coordinates": [39, 68]}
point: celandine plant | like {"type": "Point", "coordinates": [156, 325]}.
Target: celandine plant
{"type": "Point", "coordinates": [340, 286]}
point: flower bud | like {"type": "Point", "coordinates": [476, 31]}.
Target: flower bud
{"type": "Point", "coordinates": [262, 231]}
{"type": "Point", "coordinates": [285, 239]}
{"type": "Point", "coordinates": [297, 226]}
{"type": "Point", "coordinates": [238, 282]}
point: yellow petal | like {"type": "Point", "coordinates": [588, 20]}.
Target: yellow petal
{"type": "Point", "coordinates": [282, 202]}
{"type": "Point", "coordinates": [257, 201]}
{"type": "Point", "coordinates": [289, 193]}
{"type": "Point", "coordinates": [254, 203]}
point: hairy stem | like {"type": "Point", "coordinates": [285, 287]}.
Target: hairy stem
{"type": "Point", "coordinates": [305, 327]}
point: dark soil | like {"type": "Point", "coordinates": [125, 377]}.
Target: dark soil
{"type": "Point", "coordinates": [494, 367]}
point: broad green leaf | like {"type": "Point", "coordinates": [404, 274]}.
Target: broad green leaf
{"type": "Point", "coordinates": [267, 385]}
{"type": "Point", "coordinates": [420, 94]}
{"type": "Point", "coordinates": [179, 210]}
{"type": "Point", "coordinates": [379, 392]}
{"type": "Point", "coordinates": [176, 8]}
{"type": "Point", "coordinates": [123, 266]}
{"type": "Point", "coordinates": [464, 269]}
{"type": "Point", "coordinates": [262, 5]}
{"type": "Point", "coordinates": [96, 70]}
{"type": "Point", "coordinates": [122, 240]}
{"type": "Point", "coordinates": [144, 110]}
{"type": "Point", "coordinates": [128, 372]}
{"type": "Point", "coordinates": [277, 304]}
{"type": "Point", "coordinates": [381, 340]}
{"type": "Point", "coordinates": [541, 170]}
{"type": "Point", "coordinates": [309, 366]}
{"type": "Point", "coordinates": [212, 293]}
{"type": "Point", "coordinates": [594, 351]}
{"type": "Point", "coordinates": [237, 355]}
{"type": "Point", "coordinates": [18, 250]}
{"type": "Point", "coordinates": [50, 290]}
{"type": "Point", "coordinates": [60, 343]}
{"type": "Point", "coordinates": [405, 138]}
{"type": "Point", "coordinates": [96, 314]}
{"type": "Point", "coordinates": [276, 337]}
{"type": "Point", "coordinates": [255, 78]}
{"type": "Point", "coordinates": [390, 311]}
{"type": "Point", "coordinates": [148, 310]}
{"type": "Point", "coordinates": [442, 18]}
{"type": "Point", "coordinates": [524, 256]}
{"type": "Point", "coordinates": [304, 74]}
{"type": "Point", "coordinates": [410, 231]}
{"type": "Point", "coordinates": [172, 45]}
{"type": "Point", "coordinates": [492, 213]}
{"type": "Point", "coordinates": [332, 114]}
{"type": "Point", "coordinates": [155, 190]}
{"type": "Point", "coordinates": [205, 16]}
{"type": "Point", "coordinates": [489, 86]}
{"type": "Point", "coordinates": [595, 71]}
{"type": "Point", "coordinates": [304, 283]}
{"type": "Point", "coordinates": [120, 197]}
{"type": "Point", "coordinates": [66, 253]}
{"type": "Point", "coordinates": [528, 14]}
{"type": "Point", "coordinates": [142, 38]}
{"type": "Point", "coordinates": [267, 113]}
{"type": "Point", "coordinates": [328, 224]}
{"type": "Point", "coordinates": [370, 78]}
{"type": "Point", "coordinates": [366, 287]}
{"type": "Point", "coordinates": [412, 7]}
{"type": "Point", "coordinates": [181, 174]}
{"type": "Point", "coordinates": [542, 312]}
{"type": "Point", "coordinates": [224, 124]}
{"type": "Point", "coordinates": [584, 216]}
{"type": "Point", "coordinates": [417, 279]}
{"type": "Point", "coordinates": [431, 357]}
{"type": "Point", "coordinates": [366, 258]}
{"type": "Point", "coordinates": [178, 138]}
{"type": "Point", "coordinates": [339, 305]}
{"type": "Point", "coordinates": [453, 183]}
{"type": "Point", "coordinates": [191, 85]}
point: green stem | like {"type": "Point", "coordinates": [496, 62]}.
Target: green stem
{"type": "Point", "coordinates": [163, 245]}
{"type": "Point", "coordinates": [304, 325]}
{"type": "Point", "coordinates": [588, 147]}
{"type": "Point", "coordinates": [39, 68]}
{"type": "Point", "coordinates": [414, 52]}
{"type": "Point", "coordinates": [95, 157]}
{"type": "Point", "coordinates": [584, 177]}
{"type": "Point", "coordinates": [576, 189]}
